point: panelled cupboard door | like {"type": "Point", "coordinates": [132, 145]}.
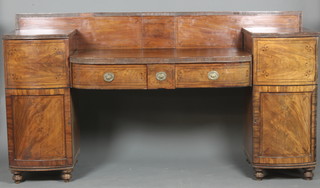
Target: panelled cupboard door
{"type": "Point", "coordinates": [284, 124]}
{"type": "Point", "coordinates": [39, 128]}
{"type": "Point", "coordinates": [285, 61]}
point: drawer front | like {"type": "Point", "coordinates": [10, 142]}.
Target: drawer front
{"type": "Point", "coordinates": [285, 61]}
{"type": "Point", "coordinates": [213, 75]}
{"type": "Point", "coordinates": [161, 76]}
{"type": "Point", "coordinates": [36, 63]}
{"type": "Point", "coordinates": [109, 76]}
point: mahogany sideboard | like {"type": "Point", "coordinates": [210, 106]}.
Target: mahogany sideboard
{"type": "Point", "coordinates": [270, 53]}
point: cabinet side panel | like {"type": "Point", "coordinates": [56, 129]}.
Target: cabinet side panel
{"type": "Point", "coordinates": [75, 125]}
{"type": "Point", "coordinates": [248, 127]}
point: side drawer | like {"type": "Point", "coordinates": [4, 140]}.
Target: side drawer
{"type": "Point", "coordinates": [36, 63]}
{"type": "Point", "coordinates": [213, 75]}
{"type": "Point", "coordinates": [109, 76]}
{"type": "Point", "coordinates": [285, 61]}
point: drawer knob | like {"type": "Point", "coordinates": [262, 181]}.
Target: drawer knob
{"type": "Point", "coordinates": [161, 76]}
{"type": "Point", "coordinates": [213, 75]}
{"type": "Point", "coordinates": [108, 76]}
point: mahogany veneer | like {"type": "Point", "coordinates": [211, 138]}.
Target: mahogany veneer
{"type": "Point", "coordinates": [36, 63]}
{"type": "Point", "coordinates": [168, 83]}
{"type": "Point", "coordinates": [125, 76]}
{"type": "Point", "coordinates": [156, 56]}
{"type": "Point", "coordinates": [40, 34]}
{"type": "Point", "coordinates": [159, 30]}
{"type": "Point", "coordinates": [268, 52]}
{"type": "Point", "coordinates": [196, 75]}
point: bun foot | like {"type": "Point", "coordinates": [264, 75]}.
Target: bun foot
{"type": "Point", "coordinates": [66, 175]}
{"type": "Point", "coordinates": [259, 174]}
{"type": "Point", "coordinates": [308, 173]}
{"type": "Point", "coordinates": [17, 177]}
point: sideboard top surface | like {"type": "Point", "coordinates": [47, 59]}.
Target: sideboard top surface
{"type": "Point", "coordinates": [279, 32]}
{"type": "Point", "coordinates": [145, 30]}
{"type": "Point", "coordinates": [202, 13]}
{"type": "Point", "coordinates": [40, 34]}
{"type": "Point", "coordinates": [150, 56]}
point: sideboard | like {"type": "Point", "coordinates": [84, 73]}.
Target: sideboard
{"type": "Point", "coordinates": [270, 53]}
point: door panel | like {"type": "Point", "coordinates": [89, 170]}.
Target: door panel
{"type": "Point", "coordinates": [39, 128]}
{"type": "Point", "coordinates": [285, 124]}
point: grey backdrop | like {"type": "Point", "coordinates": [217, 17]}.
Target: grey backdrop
{"type": "Point", "coordinates": [181, 138]}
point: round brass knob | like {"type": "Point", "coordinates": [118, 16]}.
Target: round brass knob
{"type": "Point", "coordinates": [108, 76]}
{"type": "Point", "coordinates": [213, 75]}
{"type": "Point", "coordinates": [161, 76]}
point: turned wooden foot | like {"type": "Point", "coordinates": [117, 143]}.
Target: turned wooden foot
{"type": "Point", "coordinates": [259, 173]}
{"type": "Point", "coordinates": [17, 177]}
{"type": "Point", "coordinates": [66, 175]}
{"type": "Point", "coordinates": [308, 173]}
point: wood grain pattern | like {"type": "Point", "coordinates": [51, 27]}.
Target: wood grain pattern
{"type": "Point", "coordinates": [247, 42]}
{"type": "Point", "coordinates": [275, 32]}
{"type": "Point", "coordinates": [111, 32]}
{"type": "Point", "coordinates": [222, 31]}
{"type": "Point", "coordinates": [285, 61]}
{"type": "Point", "coordinates": [39, 128]}
{"type": "Point", "coordinates": [168, 83]}
{"type": "Point", "coordinates": [75, 142]}
{"type": "Point", "coordinates": [248, 131]}
{"type": "Point", "coordinates": [287, 139]}
{"type": "Point", "coordinates": [160, 56]}
{"type": "Point", "coordinates": [144, 14]}
{"type": "Point", "coordinates": [158, 32]}
{"type": "Point", "coordinates": [125, 76]}
{"type": "Point", "coordinates": [196, 75]}
{"type": "Point", "coordinates": [36, 63]}
{"type": "Point", "coordinates": [42, 124]}
{"type": "Point", "coordinates": [34, 34]}
{"type": "Point", "coordinates": [284, 125]}
{"type": "Point", "coordinates": [289, 61]}
{"type": "Point", "coordinates": [192, 30]}
{"type": "Point", "coordinates": [291, 127]}
{"type": "Point", "coordinates": [295, 58]}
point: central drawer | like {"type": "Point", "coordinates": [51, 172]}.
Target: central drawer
{"type": "Point", "coordinates": [213, 75]}
{"type": "Point", "coordinates": [109, 76]}
{"type": "Point", "coordinates": [205, 75]}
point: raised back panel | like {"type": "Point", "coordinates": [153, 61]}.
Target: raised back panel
{"type": "Point", "coordinates": [160, 30]}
